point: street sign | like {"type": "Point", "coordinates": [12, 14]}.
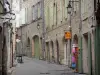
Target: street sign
{"type": "Point", "coordinates": [68, 35]}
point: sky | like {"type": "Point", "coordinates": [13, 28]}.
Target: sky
{"type": "Point", "coordinates": [16, 8]}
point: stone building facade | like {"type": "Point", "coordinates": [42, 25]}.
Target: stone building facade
{"type": "Point", "coordinates": [28, 31]}
{"type": "Point", "coordinates": [6, 50]}
{"type": "Point", "coordinates": [57, 22]}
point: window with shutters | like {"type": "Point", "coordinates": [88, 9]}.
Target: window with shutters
{"type": "Point", "coordinates": [22, 16]}
{"type": "Point", "coordinates": [46, 15]}
{"type": "Point", "coordinates": [26, 15]}
{"type": "Point", "coordinates": [75, 6]}
{"type": "Point", "coordinates": [84, 9]}
{"type": "Point", "coordinates": [51, 14]}
{"type": "Point", "coordinates": [65, 8]}
{"type": "Point", "coordinates": [35, 12]}
{"type": "Point", "coordinates": [59, 13]}
{"type": "Point", "coordinates": [54, 13]}
{"type": "Point", "coordinates": [39, 10]}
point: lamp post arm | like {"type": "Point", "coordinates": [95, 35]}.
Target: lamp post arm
{"type": "Point", "coordinates": [73, 1]}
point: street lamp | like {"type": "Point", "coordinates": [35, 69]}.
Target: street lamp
{"type": "Point", "coordinates": [38, 26]}
{"type": "Point", "coordinates": [80, 32]}
{"type": "Point", "coordinates": [69, 10]}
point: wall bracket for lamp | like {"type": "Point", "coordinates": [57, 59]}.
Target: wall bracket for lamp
{"type": "Point", "coordinates": [6, 17]}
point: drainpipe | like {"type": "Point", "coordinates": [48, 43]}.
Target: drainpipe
{"type": "Point", "coordinates": [43, 33]}
{"type": "Point", "coordinates": [80, 68]}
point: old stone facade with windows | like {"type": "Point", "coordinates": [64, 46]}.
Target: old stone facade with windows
{"type": "Point", "coordinates": [28, 31]}
{"type": "Point", "coordinates": [57, 22]}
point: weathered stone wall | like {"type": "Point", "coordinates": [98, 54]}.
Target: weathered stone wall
{"type": "Point", "coordinates": [58, 23]}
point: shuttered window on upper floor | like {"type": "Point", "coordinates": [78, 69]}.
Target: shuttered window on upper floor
{"type": "Point", "coordinates": [59, 12]}
{"type": "Point", "coordinates": [46, 16]}
{"type": "Point", "coordinates": [39, 10]}
{"type": "Point", "coordinates": [84, 7]}
{"type": "Point", "coordinates": [75, 6]}
{"type": "Point", "coordinates": [26, 15]}
{"type": "Point", "coordinates": [29, 11]}
{"type": "Point", "coordinates": [35, 13]}
{"type": "Point", "coordinates": [22, 14]}
{"type": "Point", "coordinates": [54, 14]}
{"type": "Point", "coordinates": [65, 8]}
{"type": "Point", "coordinates": [90, 7]}
{"type": "Point", "coordinates": [51, 14]}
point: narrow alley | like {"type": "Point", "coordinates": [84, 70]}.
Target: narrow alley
{"type": "Point", "coordinates": [39, 67]}
{"type": "Point", "coordinates": [53, 37]}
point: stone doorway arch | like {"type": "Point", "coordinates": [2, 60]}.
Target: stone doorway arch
{"type": "Point", "coordinates": [36, 47]}
{"type": "Point", "coordinates": [52, 48]}
{"type": "Point", "coordinates": [28, 50]}
{"type": "Point", "coordinates": [75, 39]}
{"type": "Point", "coordinates": [57, 47]}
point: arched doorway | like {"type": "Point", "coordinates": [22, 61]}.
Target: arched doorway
{"type": "Point", "coordinates": [52, 47]}
{"type": "Point", "coordinates": [28, 42]}
{"type": "Point", "coordinates": [75, 39]}
{"type": "Point", "coordinates": [33, 47]}
{"type": "Point", "coordinates": [28, 47]}
{"type": "Point", "coordinates": [47, 52]}
{"type": "Point", "coordinates": [57, 45]}
{"type": "Point", "coordinates": [36, 47]}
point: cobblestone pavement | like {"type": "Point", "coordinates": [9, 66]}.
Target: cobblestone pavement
{"type": "Point", "coordinates": [39, 67]}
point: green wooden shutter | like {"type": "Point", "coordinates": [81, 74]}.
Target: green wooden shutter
{"type": "Point", "coordinates": [48, 16]}
{"type": "Point", "coordinates": [59, 11]}
{"type": "Point", "coordinates": [65, 8]}
{"type": "Point", "coordinates": [54, 13]}
{"type": "Point", "coordinates": [51, 14]}
{"type": "Point", "coordinates": [36, 47]}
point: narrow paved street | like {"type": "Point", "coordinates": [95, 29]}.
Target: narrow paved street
{"type": "Point", "coordinates": [39, 67]}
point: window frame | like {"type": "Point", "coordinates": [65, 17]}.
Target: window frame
{"type": "Point", "coordinates": [37, 11]}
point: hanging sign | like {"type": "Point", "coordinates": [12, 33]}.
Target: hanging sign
{"type": "Point", "coordinates": [68, 35]}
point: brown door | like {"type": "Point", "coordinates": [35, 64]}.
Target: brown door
{"type": "Point", "coordinates": [57, 52]}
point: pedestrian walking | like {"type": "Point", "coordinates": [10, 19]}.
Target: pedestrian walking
{"type": "Point", "coordinates": [19, 51]}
